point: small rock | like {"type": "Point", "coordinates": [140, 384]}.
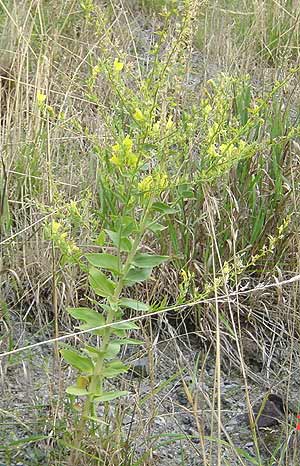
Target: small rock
{"type": "Point", "coordinates": [182, 399]}
{"type": "Point", "coordinates": [249, 445]}
{"type": "Point", "coordinates": [186, 420]}
{"type": "Point", "coordinates": [160, 421]}
{"type": "Point", "coordinates": [270, 412]}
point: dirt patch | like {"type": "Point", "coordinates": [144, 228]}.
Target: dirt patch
{"type": "Point", "coordinates": [171, 412]}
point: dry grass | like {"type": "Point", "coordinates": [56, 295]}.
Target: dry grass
{"type": "Point", "coordinates": [54, 167]}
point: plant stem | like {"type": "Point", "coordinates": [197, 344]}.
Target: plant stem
{"type": "Point", "coordinates": [96, 385]}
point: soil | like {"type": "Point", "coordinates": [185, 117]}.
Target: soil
{"type": "Point", "coordinates": [169, 424]}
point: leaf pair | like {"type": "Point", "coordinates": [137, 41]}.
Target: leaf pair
{"type": "Point", "coordinates": [141, 269]}
{"type": "Point", "coordinates": [94, 319]}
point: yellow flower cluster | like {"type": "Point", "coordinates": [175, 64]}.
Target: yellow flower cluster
{"type": "Point", "coordinates": [138, 115]}
{"type": "Point", "coordinates": [230, 151]}
{"type": "Point", "coordinates": [123, 155]}
{"type": "Point", "coordinates": [150, 183]}
{"type": "Point", "coordinates": [206, 109]}
{"type": "Point", "coordinates": [118, 66]}
{"type": "Point", "coordinates": [60, 238]}
{"type": "Point", "coordinates": [41, 101]}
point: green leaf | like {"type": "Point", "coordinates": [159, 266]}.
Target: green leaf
{"type": "Point", "coordinates": [186, 191]}
{"type": "Point", "coordinates": [163, 208]}
{"type": "Point", "coordinates": [105, 261]}
{"type": "Point", "coordinates": [126, 226]}
{"type": "Point", "coordinates": [113, 349]}
{"type": "Point", "coordinates": [104, 306]}
{"type": "Point", "coordinates": [114, 368]}
{"type": "Point", "coordinates": [91, 317]}
{"type": "Point", "coordinates": [148, 260]}
{"type": "Point", "coordinates": [74, 390]}
{"type": "Point", "coordinates": [92, 350]}
{"type": "Point", "coordinates": [187, 195]}
{"type": "Point", "coordinates": [108, 396]}
{"type": "Point", "coordinates": [125, 326]}
{"type": "Point", "coordinates": [137, 275]}
{"type": "Point", "coordinates": [110, 353]}
{"type": "Point", "coordinates": [133, 304]}
{"type": "Point", "coordinates": [122, 243]}
{"type": "Point", "coordinates": [247, 455]}
{"type": "Point", "coordinates": [101, 285]}
{"type": "Point", "coordinates": [155, 227]}
{"type": "Point", "coordinates": [114, 346]}
{"type": "Point", "coordinates": [119, 332]}
{"type": "Point", "coordinates": [75, 359]}
{"type": "Point", "coordinates": [100, 240]}
{"type": "Point", "coordinates": [130, 341]}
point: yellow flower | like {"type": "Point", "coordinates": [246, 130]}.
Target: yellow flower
{"type": "Point", "coordinates": [242, 145]}
{"type": "Point", "coordinates": [41, 98]}
{"type": "Point", "coordinates": [212, 132]}
{"type": "Point", "coordinates": [152, 183]}
{"type": "Point", "coordinates": [206, 109]}
{"type": "Point", "coordinates": [170, 123]}
{"type": "Point", "coordinates": [212, 151]}
{"type": "Point", "coordinates": [162, 181]}
{"type": "Point", "coordinates": [118, 66]}
{"type": "Point", "coordinates": [146, 184]}
{"type": "Point", "coordinates": [116, 160]}
{"type": "Point", "coordinates": [55, 227]}
{"type": "Point", "coordinates": [138, 115]}
{"type": "Point", "coordinates": [82, 381]}
{"type": "Point", "coordinates": [128, 143]}
{"type": "Point", "coordinates": [50, 110]}
{"type": "Point", "coordinates": [73, 208]}
{"type": "Point", "coordinates": [123, 154]}
{"type": "Point", "coordinates": [95, 71]}
{"type": "Point", "coordinates": [71, 247]}
{"type": "Point", "coordinates": [131, 159]}
{"type": "Point", "coordinates": [116, 148]}
{"type": "Point", "coordinates": [227, 150]}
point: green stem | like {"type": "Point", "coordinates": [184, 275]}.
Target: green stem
{"type": "Point", "coordinates": [97, 379]}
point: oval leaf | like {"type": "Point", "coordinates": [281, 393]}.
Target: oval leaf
{"type": "Point", "coordinates": [148, 260]}
{"type": "Point", "coordinates": [155, 227]}
{"type": "Point", "coordinates": [73, 390]}
{"type": "Point", "coordinates": [137, 275]}
{"type": "Point", "coordinates": [114, 368]}
{"type": "Point", "coordinates": [90, 316]}
{"type": "Point", "coordinates": [163, 208]}
{"type": "Point", "coordinates": [108, 396]}
{"type": "Point", "coordinates": [112, 350]}
{"type": "Point", "coordinates": [127, 226]}
{"type": "Point", "coordinates": [105, 261]}
{"type": "Point", "coordinates": [125, 326]}
{"type": "Point", "coordinates": [122, 243]}
{"type": "Point", "coordinates": [133, 304]}
{"type": "Point", "coordinates": [101, 285]}
{"type": "Point", "coordinates": [75, 359]}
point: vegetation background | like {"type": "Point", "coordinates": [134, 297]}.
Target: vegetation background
{"type": "Point", "coordinates": [157, 140]}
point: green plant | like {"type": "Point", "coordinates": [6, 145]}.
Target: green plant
{"type": "Point", "coordinates": [126, 267]}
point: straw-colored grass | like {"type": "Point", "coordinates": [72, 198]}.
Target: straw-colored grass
{"type": "Point", "coordinates": [108, 108]}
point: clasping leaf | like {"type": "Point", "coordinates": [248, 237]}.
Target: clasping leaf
{"type": "Point", "coordinates": [101, 285]}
